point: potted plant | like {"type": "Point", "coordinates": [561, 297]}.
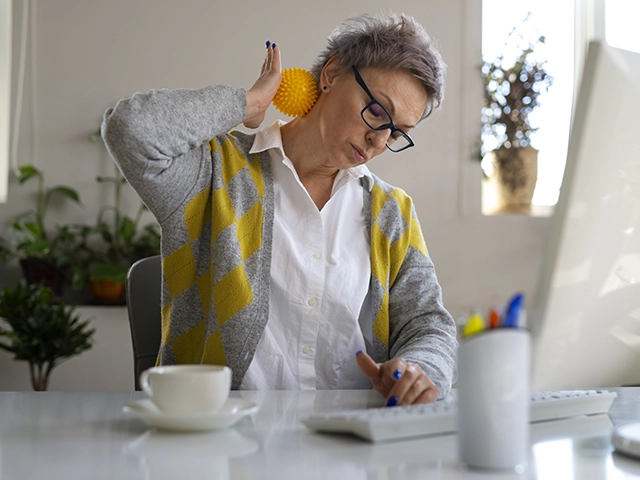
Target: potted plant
{"type": "Point", "coordinates": [124, 242]}
{"type": "Point", "coordinates": [40, 251]}
{"type": "Point", "coordinates": [512, 90]}
{"type": "Point", "coordinates": [124, 245]}
{"type": "Point", "coordinates": [42, 333]}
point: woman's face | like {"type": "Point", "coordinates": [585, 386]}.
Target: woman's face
{"type": "Point", "coordinates": [347, 139]}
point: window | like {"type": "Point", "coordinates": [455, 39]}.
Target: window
{"type": "Point", "coordinates": [620, 24]}
{"type": "Point", "coordinates": [567, 26]}
{"type": "Point", "coordinates": [555, 21]}
{"type": "Point", "coordinates": [5, 94]}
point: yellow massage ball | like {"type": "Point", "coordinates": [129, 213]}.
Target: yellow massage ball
{"type": "Point", "coordinates": [297, 94]}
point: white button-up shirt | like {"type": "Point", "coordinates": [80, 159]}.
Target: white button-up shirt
{"type": "Point", "coordinates": [320, 272]}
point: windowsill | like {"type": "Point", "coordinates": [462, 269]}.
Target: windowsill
{"type": "Point", "coordinates": [542, 210]}
{"type": "Point", "coordinates": [489, 205]}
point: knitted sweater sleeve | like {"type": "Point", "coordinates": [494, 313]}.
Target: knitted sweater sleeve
{"type": "Point", "coordinates": [159, 139]}
{"type": "Point", "coordinates": [421, 329]}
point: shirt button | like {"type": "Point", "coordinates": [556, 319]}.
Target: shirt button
{"type": "Point", "coordinates": [306, 349]}
{"type": "Point", "coordinates": [313, 302]}
{"type": "Point", "coordinates": [317, 256]}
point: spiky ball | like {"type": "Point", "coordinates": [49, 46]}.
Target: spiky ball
{"type": "Point", "coordinates": [297, 94]}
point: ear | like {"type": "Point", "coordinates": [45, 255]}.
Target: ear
{"type": "Point", "coordinates": [330, 73]}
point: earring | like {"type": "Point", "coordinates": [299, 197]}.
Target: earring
{"type": "Point", "coordinates": [324, 88]}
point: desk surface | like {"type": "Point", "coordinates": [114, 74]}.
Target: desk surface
{"type": "Point", "coordinates": [85, 435]}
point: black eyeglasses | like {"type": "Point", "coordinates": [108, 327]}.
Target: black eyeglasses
{"type": "Point", "coordinates": [377, 118]}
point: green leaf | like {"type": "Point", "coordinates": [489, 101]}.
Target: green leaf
{"type": "Point", "coordinates": [25, 172]}
{"type": "Point", "coordinates": [37, 248]}
{"type": "Point", "coordinates": [79, 279]}
{"type": "Point", "coordinates": [95, 136]}
{"type": "Point", "coordinates": [110, 271]}
{"type": "Point", "coordinates": [103, 230]}
{"type": "Point", "coordinates": [127, 229]}
{"type": "Point", "coordinates": [34, 228]}
{"type": "Point", "coordinates": [67, 192]}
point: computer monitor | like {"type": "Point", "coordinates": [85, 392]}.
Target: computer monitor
{"type": "Point", "coordinates": [585, 320]}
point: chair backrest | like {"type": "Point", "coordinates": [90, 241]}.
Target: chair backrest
{"type": "Point", "coordinates": [144, 306]}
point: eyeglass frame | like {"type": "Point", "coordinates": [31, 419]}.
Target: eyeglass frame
{"type": "Point", "coordinates": [389, 125]}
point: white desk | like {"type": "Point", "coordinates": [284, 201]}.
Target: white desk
{"type": "Point", "coordinates": [84, 435]}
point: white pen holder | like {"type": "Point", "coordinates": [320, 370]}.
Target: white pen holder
{"type": "Point", "coordinates": [493, 399]}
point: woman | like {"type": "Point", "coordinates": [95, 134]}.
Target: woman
{"type": "Point", "coordinates": [282, 254]}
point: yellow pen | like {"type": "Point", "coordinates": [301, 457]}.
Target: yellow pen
{"type": "Point", "coordinates": [475, 324]}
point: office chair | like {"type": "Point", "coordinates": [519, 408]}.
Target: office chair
{"type": "Point", "coordinates": [144, 305]}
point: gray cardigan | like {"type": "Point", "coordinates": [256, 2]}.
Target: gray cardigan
{"type": "Point", "coordinates": [174, 149]}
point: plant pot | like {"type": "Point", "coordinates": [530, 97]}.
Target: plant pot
{"type": "Point", "coordinates": [40, 270]}
{"type": "Point", "coordinates": [107, 292]}
{"type": "Point", "coordinates": [515, 173]}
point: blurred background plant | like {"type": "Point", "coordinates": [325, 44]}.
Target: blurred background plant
{"type": "Point", "coordinates": [123, 241]}
{"type": "Point", "coordinates": [40, 332]}
{"type": "Point", "coordinates": [94, 257]}
{"type": "Point", "coordinates": [43, 255]}
{"type": "Point", "coordinates": [513, 83]}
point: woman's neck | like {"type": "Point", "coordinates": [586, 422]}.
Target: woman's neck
{"type": "Point", "coordinates": [303, 145]}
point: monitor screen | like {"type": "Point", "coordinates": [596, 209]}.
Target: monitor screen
{"type": "Point", "coordinates": [585, 322]}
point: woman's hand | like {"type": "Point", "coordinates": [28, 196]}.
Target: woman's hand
{"type": "Point", "coordinates": [401, 382]}
{"type": "Point", "coordinates": [260, 95]}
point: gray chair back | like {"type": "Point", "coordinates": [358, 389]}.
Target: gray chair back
{"type": "Point", "coordinates": [144, 305]}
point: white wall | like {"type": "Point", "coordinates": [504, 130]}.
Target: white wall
{"type": "Point", "coordinates": [90, 53]}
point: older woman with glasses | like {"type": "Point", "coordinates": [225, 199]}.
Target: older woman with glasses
{"type": "Point", "coordinates": [283, 256]}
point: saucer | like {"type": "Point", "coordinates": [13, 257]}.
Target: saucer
{"type": "Point", "coordinates": [231, 412]}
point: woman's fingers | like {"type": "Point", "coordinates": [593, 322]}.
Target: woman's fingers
{"type": "Point", "coordinates": [260, 95]}
{"type": "Point", "coordinates": [414, 386]}
{"type": "Point", "coordinates": [276, 60]}
{"type": "Point", "coordinates": [271, 64]}
{"type": "Point", "coordinates": [428, 396]}
{"type": "Point", "coordinates": [266, 66]}
{"type": "Point", "coordinates": [367, 366]}
{"type": "Point", "coordinates": [401, 382]}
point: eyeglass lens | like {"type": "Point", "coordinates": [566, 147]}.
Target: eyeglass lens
{"type": "Point", "coordinates": [376, 117]}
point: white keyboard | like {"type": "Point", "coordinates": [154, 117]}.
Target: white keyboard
{"type": "Point", "coordinates": [393, 423]}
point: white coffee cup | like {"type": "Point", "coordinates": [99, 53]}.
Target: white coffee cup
{"type": "Point", "coordinates": [187, 388]}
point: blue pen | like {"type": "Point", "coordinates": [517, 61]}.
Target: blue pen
{"type": "Point", "coordinates": [512, 317]}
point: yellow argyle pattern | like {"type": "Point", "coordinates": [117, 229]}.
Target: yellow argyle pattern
{"type": "Point", "coordinates": [389, 247]}
{"type": "Point", "coordinates": [228, 292]}
{"type": "Point", "coordinates": [204, 288]}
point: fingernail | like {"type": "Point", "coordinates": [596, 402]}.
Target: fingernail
{"type": "Point", "coordinates": [268, 43]}
{"type": "Point", "coordinates": [397, 374]}
{"type": "Point", "coordinates": [359, 352]}
{"type": "Point", "coordinates": [273, 46]}
{"type": "Point", "coordinates": [392, 402]}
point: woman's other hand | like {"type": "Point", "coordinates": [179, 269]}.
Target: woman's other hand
{"type": "Point", "coordinates": [401, 382]}
{"type": "Point", "coordinates": [259, 96]}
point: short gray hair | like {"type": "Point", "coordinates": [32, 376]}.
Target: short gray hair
{"type": "Point", "coordinates": [392, 42]}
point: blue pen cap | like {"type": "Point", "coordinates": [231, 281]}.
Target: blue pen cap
{"type": "Point", "coordinates": [514, 309]}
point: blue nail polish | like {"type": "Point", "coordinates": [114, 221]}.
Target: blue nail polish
{"type": "Point", "coordinates": [359, 352]}
{"type": "Point", "coordinates": [273, 46]}
{"type": "Point", "coordinates": [268, 43]}
{"type": "Point", "coordinates": [392, 402]}
{"type": "Point", "coordinates": [397, 374]}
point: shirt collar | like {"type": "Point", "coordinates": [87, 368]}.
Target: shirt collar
{"type": "Point", "coordinates": [270, 138]}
